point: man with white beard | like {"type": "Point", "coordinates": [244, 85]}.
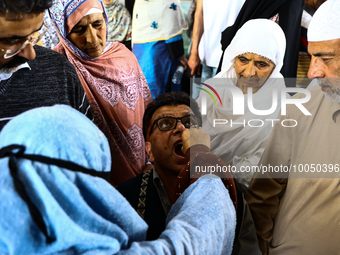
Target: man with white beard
{"type": "Point", "coordinates": [297, 211]}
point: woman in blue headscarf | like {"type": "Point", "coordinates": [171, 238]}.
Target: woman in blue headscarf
{"type": "Point", "coordinates": [51, 204]}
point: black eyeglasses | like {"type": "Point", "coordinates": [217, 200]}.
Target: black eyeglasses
{"type": "Point", "coordinates": [13, 47]}
{"type": "Point", "coordinates": [170, 123]}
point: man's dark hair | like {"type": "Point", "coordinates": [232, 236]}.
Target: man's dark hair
{"type": "Point", "coordinates": [17, 9]}
{"type": "Point", "coordinates": [172, 99]}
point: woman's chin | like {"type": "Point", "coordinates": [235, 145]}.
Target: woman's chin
{"type": "Point", "coordinates": [244, 85]}
{"type": "Point", "coordinates": [94, 53]}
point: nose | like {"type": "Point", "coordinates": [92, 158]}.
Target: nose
{"type": "Point", "coordinates": [28, 52]}
{"type": "Point", "coordinates": [250, 71]}
{"type": "Point", "coordinates": [91, 36]}
{"type": "Point", "coordinates": [315, 69]}
{"type": "Point", "coordinates": [179, 127]}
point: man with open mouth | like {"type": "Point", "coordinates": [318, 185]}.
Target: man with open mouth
{"type": "Point", "coordinates": [174, 141]}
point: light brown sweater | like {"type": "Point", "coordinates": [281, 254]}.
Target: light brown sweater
{"type": "Point", "coordinates": [299, 213]}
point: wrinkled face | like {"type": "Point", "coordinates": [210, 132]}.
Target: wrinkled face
{"type": "Point", "coordinates": [89, 35]}
{"type": "Point", "coordinates": [325, 66]}
{"type": "Point", "coordinates": [13, 34]}
{"type": "Point", "coordinates": [164, 147]}
{"type": "Point", "coordinates": [252, 70]}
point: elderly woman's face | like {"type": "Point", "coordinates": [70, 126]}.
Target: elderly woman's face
{"type": "Point", "coordinates": [252, 70]}
{"type": "Point", "coordinates": [89, 35]}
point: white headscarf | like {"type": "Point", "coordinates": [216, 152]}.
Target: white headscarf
{"type": "Point", "coordinates": [325, 22]}
{"type": "Point", "coordinates": [236, 144]}
{"type": "Point", "coordinates": [93, 11]}
{"type": "Point", "coordinates": [260, 36]}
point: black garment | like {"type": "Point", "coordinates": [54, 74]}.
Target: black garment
{"type": "Point", "coordinates": [129, 6]}
{"type": "Point", "coordinates": [245, 241]}
{"type": "Point", "coordinates": [290, 22]}
{"type": "Point", "coordinates": [128, 44]}
{"type": "Point", "coordinates": [51, 80]}
{"type": "Point", "coordinates": [143, 197]}
{"type": "Point", "coordinates": [290, 12]}
{"type": "Point", "coordinates": [303, 40]}
{"type": "Point", "coordinates": [176, 50]}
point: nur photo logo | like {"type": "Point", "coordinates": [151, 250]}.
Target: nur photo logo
{"type": "Point", "coordinates": [209, 93]}
{"type": "Point", "coordinates": [242, 102]}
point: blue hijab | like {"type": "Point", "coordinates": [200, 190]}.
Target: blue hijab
{"type": "Point", "coordinates": [76, 209]}
{"type": "Point", "coordinates": [59, 209]}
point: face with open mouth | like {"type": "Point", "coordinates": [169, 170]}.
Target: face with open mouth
{"type": "Point", "coordinates": [164, 147]}
{"type": "Point", "coordinates": [252, 70]}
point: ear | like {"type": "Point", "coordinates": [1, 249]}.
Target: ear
{"type": "Point", "coordinates": [149, 151]}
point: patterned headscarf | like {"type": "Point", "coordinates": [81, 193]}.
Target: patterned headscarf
{"type": "Point", "coordinates": [119, 22]}
{"type": "Point", "coordinates": [115, 87]}
{"type": "Point", "coordinates": [65, 18]}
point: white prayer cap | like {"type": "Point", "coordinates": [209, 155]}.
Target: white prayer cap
{"type": "Point", "coordinates": [325, 24]}
{"type": "Point", "coordinates": [93, 10]}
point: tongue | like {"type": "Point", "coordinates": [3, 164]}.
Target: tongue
{"type": "Point", "coordinates": [178, 150]}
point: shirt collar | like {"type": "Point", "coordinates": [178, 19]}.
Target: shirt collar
{"type": "Point", "coordinates": [10, 72]}
{"type": "Point", "coordinates": [161, 192]}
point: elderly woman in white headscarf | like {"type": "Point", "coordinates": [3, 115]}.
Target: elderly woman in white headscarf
{"type": "Point", "coordinates": [252, 62]}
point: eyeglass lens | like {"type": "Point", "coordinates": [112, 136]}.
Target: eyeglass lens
{"type": "Point", "coordinates": [32, 40]}
{"type": "Point", "coordinates": [168, 123]}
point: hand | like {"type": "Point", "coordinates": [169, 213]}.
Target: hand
{"type": "Point", "coordinates": [195, 64]}
{"type": "Point", "coordinates": [194, 136]}
{"type": "Point", "coordinates": [184, 61]}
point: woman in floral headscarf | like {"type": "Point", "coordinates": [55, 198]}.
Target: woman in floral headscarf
{"type": "Point", "coordinates": [119, 20]}
{"type": "Point", "coordinates": [112, 79]}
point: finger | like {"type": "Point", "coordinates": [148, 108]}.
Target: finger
{"type": "Point", "coordinates": [193, 70]}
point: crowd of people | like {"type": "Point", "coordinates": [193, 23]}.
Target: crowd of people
{"type": "Point", "coordinates": [102, 152]}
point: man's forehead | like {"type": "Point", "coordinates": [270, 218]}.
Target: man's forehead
{"type": "Point", "coordinates": [172, 110]}
{"type": "Point", "coordinates": [20, 28]}
{"type": "Point", "coordinates": [324, 48]}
